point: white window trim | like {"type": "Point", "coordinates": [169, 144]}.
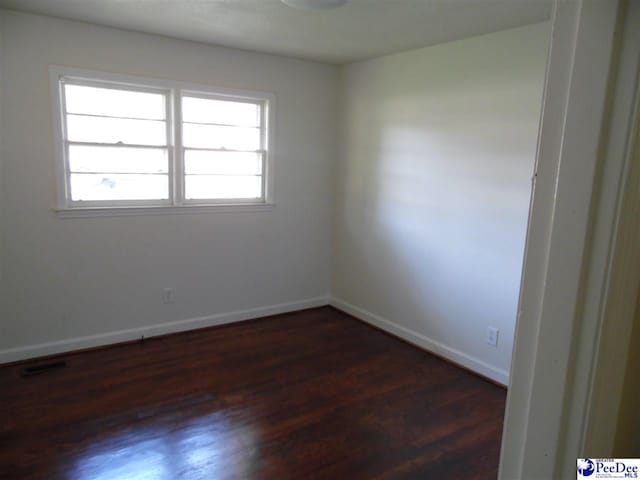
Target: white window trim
{"type": "Point", "coordinates": [173, 90]}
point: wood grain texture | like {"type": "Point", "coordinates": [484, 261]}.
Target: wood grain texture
{"type": "Point", "coordinates": [307, 395]}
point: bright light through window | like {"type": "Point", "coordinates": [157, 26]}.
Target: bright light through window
{"type": "Point", "coordinates": [123, 145]}
{"type": "Point", "coordinates": [223, 154]}
{"type": "Point", "coordinates": [113, 137]}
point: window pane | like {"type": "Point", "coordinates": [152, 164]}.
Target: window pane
{"type": "Point", "coordinates": [222, 163]}
{"type": "Point", "coordinates": [84, 158]}
{"type": "Point", "coordinates": [114, 103]}
{"type": "Point", "coordinates": [115, 130]}
{"type": "Point", "coordinates": [205, 110]}
{"type": "Point", "coordinates": [94, 186]}
{"type": "Point", "coordinates": [211, 136]}
{"type": "Point", "coordinates": [222, 186]}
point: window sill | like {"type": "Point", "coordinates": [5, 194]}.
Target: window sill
{"type": "Point", "coordinates": [91, 212]}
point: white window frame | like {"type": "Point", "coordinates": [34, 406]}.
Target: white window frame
{"type": "Point", "coordinates": [263, 150]}
{"type": "Point", "coordinates": [173, 91]}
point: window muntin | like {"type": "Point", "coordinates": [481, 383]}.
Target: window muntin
{"type": "Point", "coordinates": [151, 143]}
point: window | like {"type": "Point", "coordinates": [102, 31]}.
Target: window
{"type": "Point", "coordinates": [223, 148]}
{"type": "Point", "coordinates": [131, 142]}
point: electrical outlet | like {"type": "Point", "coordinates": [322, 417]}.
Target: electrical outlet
{"type": "Point", "coordinates": [168, 296]}
{"type": "Point", "coordinates": [492, 336]}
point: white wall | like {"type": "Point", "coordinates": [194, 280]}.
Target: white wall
{"type": "Point", "coordinates": [2, 199]}
{"type": "Point", "coordinates": [70, 278]}
{"type": "Point", "coordinates": [432, 191]}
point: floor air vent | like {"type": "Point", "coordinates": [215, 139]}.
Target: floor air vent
{"type": "Point", "coordinates": [43, 368]}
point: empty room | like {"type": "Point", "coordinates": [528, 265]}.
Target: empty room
{"type": "Point", "coordinates": [317, 239]}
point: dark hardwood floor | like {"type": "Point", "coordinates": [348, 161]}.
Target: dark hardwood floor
{"type": "Point", "coordinates": [307, 395]}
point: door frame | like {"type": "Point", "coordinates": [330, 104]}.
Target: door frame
{"type": "Point", "coordinates": [580, 174]}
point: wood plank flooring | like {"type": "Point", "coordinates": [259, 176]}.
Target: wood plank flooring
{"type": "Point", "coordinates": [308, 395]}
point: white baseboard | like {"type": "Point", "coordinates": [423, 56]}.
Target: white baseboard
{"type": "Point", "coordinates": [422, 341]}
{"type": "Point", "coordinates": [61, 346]}
{"type": "Point", "coordinates": [79, 343]}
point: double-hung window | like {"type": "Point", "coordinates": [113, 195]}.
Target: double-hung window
{"type": "Point", "coordinates": [131, 142]}
{"type": "Point", "coordinates": [223, 146]}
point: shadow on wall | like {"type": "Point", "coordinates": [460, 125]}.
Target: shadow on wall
{"type": "Point", "coordinates": [435, 187]}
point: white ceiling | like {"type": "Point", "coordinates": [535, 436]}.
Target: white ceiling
{"type": "Point", "coordinates": [359, 30]}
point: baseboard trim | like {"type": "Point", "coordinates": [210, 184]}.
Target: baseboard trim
{"type": "Point", "coordinates": [451, 354]}
{"type": "Point", "coordinates": [93, 341]}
